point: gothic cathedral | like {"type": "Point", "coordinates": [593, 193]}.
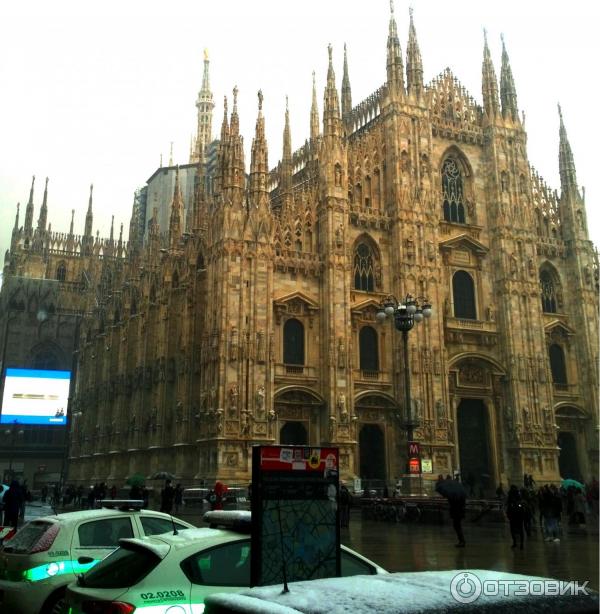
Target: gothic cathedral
{"type": "Point", "coordinates": [253, 319]}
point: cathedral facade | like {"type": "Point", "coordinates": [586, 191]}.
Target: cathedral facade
{"type": "Point", "coordinates": [252, 318]}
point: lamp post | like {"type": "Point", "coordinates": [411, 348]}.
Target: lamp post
{"type": "Point", "coordinates": [406, 312]}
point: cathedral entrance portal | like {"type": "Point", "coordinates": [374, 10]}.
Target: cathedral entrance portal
{"type": "Point", "coordinates": [568, 464]}
{"type": "Point", "coordinates": [372, 453]}
{"type": "Point", "coordinates": [474, 446]}
{"type": "Point", "coordinates": [293, 434]}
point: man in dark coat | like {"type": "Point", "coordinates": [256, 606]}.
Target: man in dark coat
{"type": "Point", "coordinates": [167, 497]}
{"type": "Point", "coordinates": [515, 511]}
{"type": "Point", "coordinates": [12, 504]}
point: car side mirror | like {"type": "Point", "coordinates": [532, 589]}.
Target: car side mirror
{"type": "Point", "coordinates": [85, 560]}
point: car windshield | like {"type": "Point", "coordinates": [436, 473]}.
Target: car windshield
{"type": "Point", "coordinates": [27, 537]}
{"type": "Point", "coordinates": [125, 567]}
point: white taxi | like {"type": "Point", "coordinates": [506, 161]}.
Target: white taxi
{"type": "Point", "coordinates": [173, 574]}
{"type": "Point", "coordinates": [47, 553]}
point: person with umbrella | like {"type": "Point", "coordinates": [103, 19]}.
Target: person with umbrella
{"type": "Point", "coordinates": [455, 492]}
{"type": "Point", "coordinates": [167, 496]}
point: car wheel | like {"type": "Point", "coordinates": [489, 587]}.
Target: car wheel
{"type": "Point", "coordinates": [55, 604]}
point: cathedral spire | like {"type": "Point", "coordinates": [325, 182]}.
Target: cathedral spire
{"type": "Point", "coordinates": [29, 210]}
{"type": "Point", "coordinates": [566, 163]}
{"type": "Point", "coordinates": [331, 106]}
{"type": "Point", "coordinates": [224, 125]}
{"type": "Point", "coordinates": [259, 164]}
{"type": "Point", "coordinates": [286, 159]}
{"type": "Point", "coordinates": [508, 92]}
{"type": "Point", "coordinates": [16, 227]}
{"type": "Point", "coordinates": [89, 216]}
{"type": "Point", "coordinates": [176, 210]}
{"type": "Point", "coordinates": [395, 70]}
{"type": "Point", "coordinates": [72, 222]}
{"type": "Point", "coordinates": [43, 218]}
{"type": "Point", "coordinates": [346, 92]}
{"type": "Point", "coordinates": [235, 120]}
{"type": "Point", "coordinates": [171, 155]}
{"type": "Point", "coordinates": [205, 106]}
{"type": "Point", "coordinates": [112, 230]}
{"type": "Point", "coordinates": [414, 63]}
{"type": "Point", "coordinates": [489, 83]}
{"type": "Point", "coordinates": [314, 112]}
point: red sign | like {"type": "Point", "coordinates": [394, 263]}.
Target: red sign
{"type": "Point", "coordinates": [282, 458]}
{"type": "Point", "coordinates": [414, 465]}
{"type": "Point", "coordinates": [414, 450]}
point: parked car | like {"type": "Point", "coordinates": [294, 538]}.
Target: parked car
{"type": "Point", "coordinates": [180, 571]}
{"type": "Point", "coordinates": [47, 553]}
{"type": "Point", "coordinates": [235, 498]}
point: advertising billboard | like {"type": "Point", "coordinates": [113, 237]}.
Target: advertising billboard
{"type": "Point", "coordinates": [295, 517]}
{"type": "Point", "coordinates": [34, 396]}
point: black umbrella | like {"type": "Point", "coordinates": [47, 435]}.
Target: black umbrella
{"type": "Point", "coordinates": [451, 489]}
{"type": "Point", "coordinates": [162, 475]}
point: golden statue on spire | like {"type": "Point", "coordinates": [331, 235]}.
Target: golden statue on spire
{"type": "Point", "coordinates": [205, 54]}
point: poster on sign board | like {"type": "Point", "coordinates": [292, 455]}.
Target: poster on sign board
{"type": "Point", "coordinates": [295, 517]}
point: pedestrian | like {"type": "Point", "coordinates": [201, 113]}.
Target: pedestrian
{"type": "Point", "coordinates": [44, 493]}
{"type": "Point", "coordinates": [551, 510]}
{"type": "Point", "coordinates": [219, 492]}
{"type": "Point", "coordinates": [455, 492]}
{"type": "Point", "coordinates": [167, 497]}
{"type": "Point", "coordinates": [113, 492]}
{"type": "Point", "coordinates": [527, 511]}
{"type": "Point", "coordinates": [516, 515]}
{"type": "Point", "coordinates": [12, 504]}
{"type": "Point", "coordinates": [500, 493]}
{"type": "Point", "coordinates": [345, 501]}
{"type": "Point", "coordinates": [178, 497]}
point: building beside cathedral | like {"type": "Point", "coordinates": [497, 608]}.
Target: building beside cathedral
{"type": "Point", "coordinates": [251, 317]}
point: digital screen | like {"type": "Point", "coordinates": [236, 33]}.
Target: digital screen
{"type": "Point", "coordinates": [33, 396]}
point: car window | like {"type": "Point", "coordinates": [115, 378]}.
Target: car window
{"type": "Point", "coordinates": [156, 526]}
{"type": "Point", "coordinates": [31, 535]}
{"type": "Point", "coordinates": [353, 566]}
{"type": "Point", "coordinates": [226, 565]}
{"type": "Point", "coordinates": [121, 569]}
{"type": "Point", "coordinates": [104, 533]}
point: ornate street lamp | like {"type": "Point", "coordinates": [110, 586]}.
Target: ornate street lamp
{"type": "Point", "coordinates": [405, 313]}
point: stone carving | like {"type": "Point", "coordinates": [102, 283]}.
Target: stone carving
{"type": "Point", "coordinates": [440, 412]}
{"type": "Point", "coordinates": [341, 353]}
{"type": "Point", "coordinates": [332, 422]}
{"type": "Point", "coordinates": [260, 398]}
{"type": "Point", "coordinates": [233, 397]}
{"type": "Point", "coordinates": [260, 346]}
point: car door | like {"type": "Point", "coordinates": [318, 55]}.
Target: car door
{"type": "Point", "coordinates": [95, 539]}
{"type": "Point", "coordinates": [220, 569]}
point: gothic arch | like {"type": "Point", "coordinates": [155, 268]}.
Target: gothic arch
{"type": "Point", "coordinates": [387, 399]}
{"type": "Point", "coordinates": [456, 182]}
{"type": "Point", "coordinates": [311, 395]}
{"type": "Point", "coordinates": [366, 264]}
{"type": "Point", "coordinates": [550, 288]}
{"type": "Point", "coordinates": [48, 355]}
{"type": "Point", "coordinates": [454, 361]}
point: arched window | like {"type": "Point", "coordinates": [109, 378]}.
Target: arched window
{"type": "Point", "coordinates": [133, 310]}
{"type": "Point", "coordinates": [557, 364]}
{"type": "Point", "coordinates": [175, 280]}
{"type": "Point", "coordinates": [548, 288]}
{"type": "Point", "coordinates": [463, 291]}
{"type": "Point", "coordinates": [200, 262]}
{"type": "Point", "coordinates": [61, 272]}
{"type": "Point", "coordinates": [117, 318]}
{"type": "Point", "coordinates": [452, 191]}
{"type": "Point", "coordinates": [364, 278]}
{"type": "Point", "coordinates": [368, 347]}
{"type": "Point", "coordinates": [293, 342]}
{"type": "Point", "coordinates": [46, 359]}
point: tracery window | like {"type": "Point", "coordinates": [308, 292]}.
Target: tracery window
{"type": "Point", "coordinates": [557, 364]}
{"type": "Point", "coordinates": [61, 272]}
{"type": "Point", "coordinates": [368, 348]}
{"type": "Point", "coordinates": [452, 191]}
{"type": "Point", "coordinates": [463, 291]}
{"type": "Point", "coordinates": [364, 278]}
{"type": "Point", "coordinates": [548, 288]}
{"type": "Point", "coordinates": [293, 342]}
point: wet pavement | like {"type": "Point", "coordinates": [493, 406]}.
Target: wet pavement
{"type": "Point", "coordinates": [422, 547]}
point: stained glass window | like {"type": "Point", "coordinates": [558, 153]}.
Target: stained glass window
{"type": "Point", "coordinates": [452, 191]}
{"type": "Point", "coordinates": [363, 268]}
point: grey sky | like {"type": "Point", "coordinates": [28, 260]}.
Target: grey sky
{"type": "Point", "coordinates": [96, 91]}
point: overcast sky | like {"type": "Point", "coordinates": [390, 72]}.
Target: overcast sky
{"type": "Point", "coordinates": [96, 91]}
